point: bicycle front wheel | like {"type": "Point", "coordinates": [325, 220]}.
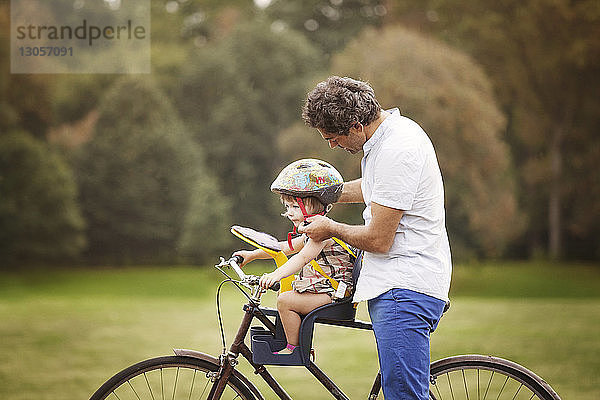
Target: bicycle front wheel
{"type": "Point", "coordinates": [485, 377]}
{"type": "Point", "coordinates": [170, 377]}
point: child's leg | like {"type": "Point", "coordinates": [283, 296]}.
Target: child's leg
{"type": "Point", "coordinates": [291, 305]}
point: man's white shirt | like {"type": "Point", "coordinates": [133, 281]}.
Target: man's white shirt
{"type": "Point", "coordinates": [400, 170]}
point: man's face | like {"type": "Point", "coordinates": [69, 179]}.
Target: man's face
{"type": "Point", "coordinates": [352, 142]}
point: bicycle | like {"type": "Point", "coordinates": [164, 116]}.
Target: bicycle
{"type": "Point", "coordinates": [191, 374]}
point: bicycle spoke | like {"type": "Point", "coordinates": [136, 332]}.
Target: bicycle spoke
{"type": "Point", "coordinates": [505, 380]}
{"type": "Point", "coordinates": [149, 388]}
{"type": "Point", "coordinates": [502, 389]}
{"type": "Point", "coordinates": [488, 385]}
{"type": "Point", "coordinates": [478, 371]}
{"type": "Point", "coordinates": [450, 384]}
{"type": "Point", "coordinates": [204, 390]}
{"type": "Point", "coordinates": [465, 382]}
{"type": "Point", "coordinates": [518, 390]}
{"type": "Point", "coordinates": [438, 392]}
{"type": "Point", "coordinates": [175, 385]}
{"type": "Point", "coordinates": [162, 385]}
{"type": "Point", "coordinates": [134, 392]}
{"type": "Point", "coordinates": [192, 387]}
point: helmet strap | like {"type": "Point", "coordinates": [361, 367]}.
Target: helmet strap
{"type": "Point", "coordinates": [306, 215]}
{"type": "Point", "coordinates": [289, 238]}
{"type": "Point", "coordinates": [302, 207]}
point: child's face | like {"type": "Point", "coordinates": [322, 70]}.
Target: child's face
{"type": "Point", "coordinates": [293, 212]}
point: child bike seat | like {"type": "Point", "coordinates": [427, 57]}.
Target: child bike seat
{"type": "Point", "coordinates": [340, 313]}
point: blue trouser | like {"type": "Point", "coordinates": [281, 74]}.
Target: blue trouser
{"type": "Point", "coordinates": [402, 321]}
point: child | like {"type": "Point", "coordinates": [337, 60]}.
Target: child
{"type": "Point", "coordinates": [307, 187]}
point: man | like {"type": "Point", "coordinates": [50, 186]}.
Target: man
{"type": "Point", "coordinates": [406, 266]}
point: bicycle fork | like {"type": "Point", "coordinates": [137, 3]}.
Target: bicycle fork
{"type": "Point", "coordinates": [228, 361]}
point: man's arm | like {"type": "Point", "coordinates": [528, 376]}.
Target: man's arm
{"type": "Point", "coordinates": [377, 237]}
{"type": "Point", "coordinates": [351, 192]}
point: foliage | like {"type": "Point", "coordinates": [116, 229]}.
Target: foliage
{"type": "Point", "coordinates": [136, 176]}
{"type": "Point", "coordinates": [240, 94]}
{"type": "Point", "coordinates": [75, 95]}
{"type": "Point", "coordinates": [450, 96]}
{"type": "Point", "coordinates": [206, 225]}
{"type": "Point", "coordinates": [236, 95]}
{"type": "Point", "coordinates": [24, 99]}
{"type": "Point", "coordinates": [543, 58]}
{"type": "Point", "coordinates": [330, 25]}
{"type": "Point", "coordinates": [40, 220]}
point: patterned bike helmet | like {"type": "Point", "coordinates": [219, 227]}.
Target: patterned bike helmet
{"type": "Point", "coordinates": [310, 177]}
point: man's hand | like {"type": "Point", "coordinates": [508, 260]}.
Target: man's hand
{"type": "Point", "coordinates": [377, 237]}
{"type": "Point", "coordinates": [318, 229]}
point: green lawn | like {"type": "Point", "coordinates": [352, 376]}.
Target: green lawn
{"type": "Point", "coordinates": [64, 332]}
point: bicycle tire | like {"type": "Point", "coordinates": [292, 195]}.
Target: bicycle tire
{"type": "Point", "coordinates": [486, 377]}
{"type": "Point", "coordinates": [186, 378]}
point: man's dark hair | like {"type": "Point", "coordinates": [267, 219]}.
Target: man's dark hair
{"type": "Point", "coordinates": [336, 104]}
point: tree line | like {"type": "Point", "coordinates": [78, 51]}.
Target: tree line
{"type": "Point", "coordinates": [110, 169]}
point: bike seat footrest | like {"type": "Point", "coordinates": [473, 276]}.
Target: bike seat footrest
{"type": "Point", "coordinates": [264, 344]}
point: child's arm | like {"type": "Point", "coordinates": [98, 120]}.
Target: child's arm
{"type": "Point", "coordinates": [251, 255]}
{"type": "Point", "coordinates": [258, 254]}
{"type": "Point", "coordinates": [310, 250]}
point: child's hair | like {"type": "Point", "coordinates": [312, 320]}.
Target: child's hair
{"type": "Point", "coordinates": [312, 204]}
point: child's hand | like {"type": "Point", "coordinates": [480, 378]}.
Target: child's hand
{"type": "Point", "coordinates": [246, 255]}
{"type": "Point", "coordinates": [267, 280]}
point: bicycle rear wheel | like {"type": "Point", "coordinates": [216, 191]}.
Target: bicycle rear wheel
{"type": "Point", "coordinates": [485, 377]}
{"type": "Point", "coordinates": [170, 377]}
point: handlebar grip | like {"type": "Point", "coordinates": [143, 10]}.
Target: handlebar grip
{"type": "Point", "coordinates": [238, 259]}
{"type": "Point", "coordinates": [275, 287]}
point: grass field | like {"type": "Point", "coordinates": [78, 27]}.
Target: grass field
{"type": "Point", "coordinates": [64, 332]}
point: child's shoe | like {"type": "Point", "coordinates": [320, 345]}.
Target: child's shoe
{"type": "Point", "coordinates": [289, 349]}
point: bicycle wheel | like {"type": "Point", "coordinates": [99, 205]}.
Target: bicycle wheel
{"type": "Point", "coordinates": [170, 377]}
{"type": "Point", "coordinates": [485, 377]}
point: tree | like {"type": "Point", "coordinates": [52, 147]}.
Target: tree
{"type": "Point", "coordinates": [237, 95]}
{"type": "Point", "coordinates": [40, 220]}
{"type": "Point", "coordinates": [206, 226]}
{"type": "Point", "coordinates": [136, 176]}
{"type": "Point", "coordinates": [24, 98]}
{"type": "Point", "coordinates": [330, 24]}
{"type": "Point", "coordinates": [450, 96]}
{"type": "Point", "coordinates": [544, 60]}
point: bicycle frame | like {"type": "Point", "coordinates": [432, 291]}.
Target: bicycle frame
{"type": "Point", "coordinates": [458, 371]}
{"type": "Point", "coordinates": [229, 360]}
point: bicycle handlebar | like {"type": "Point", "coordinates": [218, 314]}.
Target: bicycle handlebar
{"type": "Point", "coordinates": [238, 259]}
{"type": "Point", "coordinates": [251, 280]}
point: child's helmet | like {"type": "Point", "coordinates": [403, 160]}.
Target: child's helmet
{"type": "Point", "coordinates": [310, 177]}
